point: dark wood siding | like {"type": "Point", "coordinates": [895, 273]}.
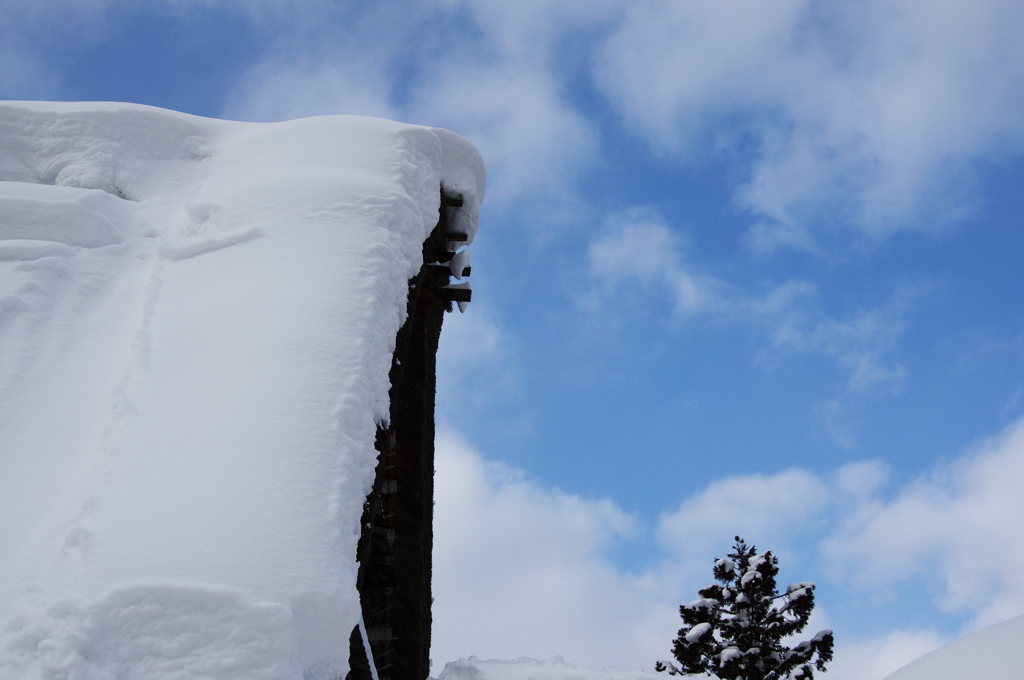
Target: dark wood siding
{"type": "Point", "coordinates": [397, 539]}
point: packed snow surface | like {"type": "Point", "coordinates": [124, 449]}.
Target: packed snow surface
{"type": "Point", "coordinates": [196, 326]}
{"type": "Point", "coordinates": [993, 653]}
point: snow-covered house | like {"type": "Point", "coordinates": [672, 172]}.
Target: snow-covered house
{"type": "Point", "coordinates": [208, 332]}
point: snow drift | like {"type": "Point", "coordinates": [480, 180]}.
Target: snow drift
{"type": "Point", "coordinates": [196, 326]}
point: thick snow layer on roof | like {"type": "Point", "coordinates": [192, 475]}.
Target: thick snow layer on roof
{"type": "Point", "coordinates": [993, 653]}
{"type": "Point", "coordinates": [196, 326]}
{"type": "Point", "coordinates": [531, 669]}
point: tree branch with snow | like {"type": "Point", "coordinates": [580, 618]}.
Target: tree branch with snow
{"type": "Point", "coordinates": [735, 630]}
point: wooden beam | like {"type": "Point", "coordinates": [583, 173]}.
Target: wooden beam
{"type": "Point", "coordinates": [444, 270]}
{"type": "Point", "coordinates": [447, 294]}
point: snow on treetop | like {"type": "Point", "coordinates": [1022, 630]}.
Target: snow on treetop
{"type": "Point", "coordinates": [757, 560]}
{"type": "Point", "coordinates": [702, 602]}
{"type": "Point", "coordinates": [728, 654]}
{"type": "Point", "coordinates": [196, 326]}
{"type": "Point", "coordinates": [796, 592]}
{"type": "Point", "coordinates": [749, 576]}
{"type": "Point", "coordinates": [698, 631]}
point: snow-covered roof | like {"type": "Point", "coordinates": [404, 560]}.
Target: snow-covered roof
{"type": "Point", "coordinates": [196, 326]}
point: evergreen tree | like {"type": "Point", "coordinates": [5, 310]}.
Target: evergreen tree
{"type": "Point", "coordinates": [735, 630]}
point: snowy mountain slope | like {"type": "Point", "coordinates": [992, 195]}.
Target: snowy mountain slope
{"type": "Point", "coordinates": [993, 653]}
{"type": "Point", "coordinates": [196, 326]}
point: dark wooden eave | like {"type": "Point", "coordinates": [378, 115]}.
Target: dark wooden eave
{"type": "Point", "coordinates": [396, 544]}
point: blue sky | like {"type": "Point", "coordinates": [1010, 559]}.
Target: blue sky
{"type": "Point", "coordinates": [743, 268]}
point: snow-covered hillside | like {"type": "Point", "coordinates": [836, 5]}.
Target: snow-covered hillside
{"type": "Point", "coordinates": [993, 653]}
{"type": "Point", "coordinates": [196, 326]}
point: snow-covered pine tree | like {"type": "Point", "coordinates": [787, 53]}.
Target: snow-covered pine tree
{"type": "Point", "coordinates": [735, 630]}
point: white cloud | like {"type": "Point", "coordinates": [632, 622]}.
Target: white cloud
{"type": "Point", "coordinates": [770, 510]}
{"type": "Point", "coordinates": [529, 30]}
{"type": "Point", "coordinates": [671, 67]}
{"type": "Point", "coordinates": [958, 527]}
{"type": "Point", "coordinates": [525, 570]}
{"type": "Point", "coordinates": [638, 248]}
{"type": "Point", "coordinates": [877, 658]}
{"type": "Point", "coordinates": [521, 569]}
{"type": "Point", "coordinates": [867, 113]}
{"type": "Point", "coordinates": [534, 143]}
{"type": "Point", "coordinates": [282, 89]}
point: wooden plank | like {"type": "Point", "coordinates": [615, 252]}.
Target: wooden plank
{"type": "Point", "coordinates": [444, 270]}
{"type": "Point", "coordinates": [454, 294]}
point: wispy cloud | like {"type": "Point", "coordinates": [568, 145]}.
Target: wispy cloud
{"type": "Point", "coordinates": [29, 28]}
{"type": "Point", "coordinates": [638, 249]}
{"type": "Point", "coordinates": [477, 364]}
{"type": "Point", "coordinates": [23, 77]}
{"type": "Point", "coordinates": [860, 341]}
